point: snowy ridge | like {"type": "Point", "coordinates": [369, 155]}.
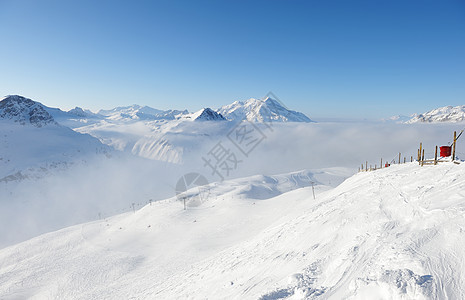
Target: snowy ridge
{"type": "Point", "coordinates": [130, 111]}
{"type": "Point", "coordinates": [396, 233]}
{"type": "Point", "coordinates": [451, 114]}
{"type": "Point", "coordinates": [137, 112]}
{"type": "Point", "coordinates": [267, 110]}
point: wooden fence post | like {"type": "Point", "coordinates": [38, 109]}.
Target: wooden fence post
{"type": "Point", "coordinates": [419, 153]}
{"type": "Point", "coordinates": [366, 165]}
{"type": "Point", "coordinates": [423, 158]}
{"type": "Point", "coordinates": [399, 158]}
{"type": "Point", "coordinates": [453, 150]}
{"type": "Point", "coordinates": [436, 156]}
{"type": "Point", "coordinates": [381, 165]}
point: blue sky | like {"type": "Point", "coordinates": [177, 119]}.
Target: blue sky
{"type": "Point", "coordinates": [361, 59]}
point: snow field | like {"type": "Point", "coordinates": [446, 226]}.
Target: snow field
{"type": "Point", "coordinates": [395, 233]}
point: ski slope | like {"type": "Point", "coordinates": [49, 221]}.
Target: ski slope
{"type": "Point", "coordinates": [395, 233]}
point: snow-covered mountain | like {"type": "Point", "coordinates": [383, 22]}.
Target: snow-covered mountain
{"type": "Point", "coordinates": [25, 111]}
{"type": "Point", "coordinates": [395, 233]}
{"type": "Point", "coordinates": [83, 113]}
{"type": "Point", "coordinates": [32, 143]}
{"type": "Point", "coordinates": [171, 135]}
{"type": "Point", "coordinates": [452, 114]}
{"type": "Point", "coordinates": [255, 110]}
{"type": "Point", "coordinates": [130, 111]}
{"type": "Point", "coordinates": [137, 112]}
{"type": "Point", "coordinates": [205, 114]}
{"type": "Point", "coordinates": [167, 135]}
{"type": "Point", "coordinates": [75, 117]}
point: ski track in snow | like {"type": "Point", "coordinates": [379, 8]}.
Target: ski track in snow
{"type": "Point", "coordinates": [395, 233]}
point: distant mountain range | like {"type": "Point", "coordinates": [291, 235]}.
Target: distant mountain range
{"type": "Point", "coordinates": [253, 110]}
{"type": "Point", "coordinates": [165, 135]}
{"type": "Point", "coordinates": [21, 109]}
{"type": "Point", "coordinates": [137, 112]}
{"type": "Point", "coordinates": [446, 114]}
{"type": "Point", "coordinates": [452, 114]}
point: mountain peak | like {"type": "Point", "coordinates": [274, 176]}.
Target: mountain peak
{"type": "Point", "coordinates": [78, 112]}
{"type": "Point", "coordinates": [24, 110]}
{"type": "Point", "coordinates": [208, 114]}
{"type": "Point", "coordinates": [266, 110]}
{"type": "Point", "coordinates": [271, 100]}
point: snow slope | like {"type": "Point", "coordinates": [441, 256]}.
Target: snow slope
{"type": "Point", "coordinates": [396, 233]}
{"type": "Point", "coordinates": [443, 114]}
{"type": "Point", "coordinates": [28, 152]}
{"type": "Point", "coordinates": [32, 143]}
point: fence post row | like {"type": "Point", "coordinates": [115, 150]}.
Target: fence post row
{"type": "Point", "coordinates": [420, 156]}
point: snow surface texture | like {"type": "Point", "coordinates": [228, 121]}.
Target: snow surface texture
{"type": "Point", "coordinates": [442, 114]}
{"type": "Point", "coordinates": [396, 233]}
